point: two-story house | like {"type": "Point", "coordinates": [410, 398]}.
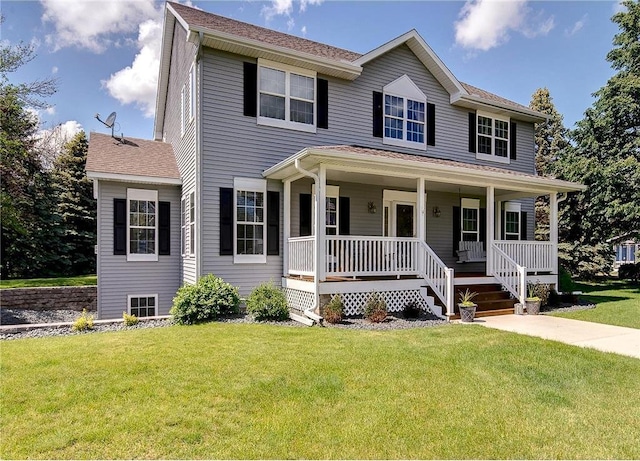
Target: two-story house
{"type": "Point", "coordinates": [323, 170]}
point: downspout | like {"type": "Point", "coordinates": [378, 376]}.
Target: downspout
{"type": "Point", "coordinates": [317, 244]}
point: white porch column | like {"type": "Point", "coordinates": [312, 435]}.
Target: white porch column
{"type": "Point", "coordinates": [286, 231]}
{"type": "Point", "coordinates": [321, 212]}
{"type": "Point", "coordinates": [491, 216]}
{"type": "Point", "coordinates": [422, 221]}
{"type": "Point", "coordinates": [553, 230]}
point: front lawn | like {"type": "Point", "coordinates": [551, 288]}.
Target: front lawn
{"type": "Point", "coordinates": [80, 280]}
{"type": "Point", "coordinates": [237, 391]}
{"type": "Point", "coordinates": [617, 303]}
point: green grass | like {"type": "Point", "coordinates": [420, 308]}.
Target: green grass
{"type": "Point", "coordinates": [79, 280]}
{"type": "Point", "coordinates": [617, 303]}
{"type": "Point", "coordinates": [237, 391]}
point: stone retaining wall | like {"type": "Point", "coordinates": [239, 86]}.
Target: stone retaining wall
{"type": "Point", "coordinates": [48, 298]}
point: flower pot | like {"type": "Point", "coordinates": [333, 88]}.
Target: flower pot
{"type": "Point", "coordinates": [533, 307]}
{"type": "Point", "coordinates": [467, 313]}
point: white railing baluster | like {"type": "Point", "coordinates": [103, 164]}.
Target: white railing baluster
{"type": "Point", "coordinates": [509, 273]}
{"type": "Point", "coordinates": [535, 256]}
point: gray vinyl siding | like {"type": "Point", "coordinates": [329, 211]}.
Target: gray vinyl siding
{"type": "Point", "coordinates": [184, 145]}
{"type": "Point", "coordinates": [117, 277]}
{"type": "Point", "coordinates": [235, 146]}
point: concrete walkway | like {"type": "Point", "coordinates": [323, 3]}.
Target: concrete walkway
{"type": "Point", "coordinates": [606, 338]}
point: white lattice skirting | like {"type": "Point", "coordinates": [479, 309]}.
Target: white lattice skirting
{"type": "Point", "coordinates": [396, 300]}
{"type": "Point", "coordinates": [300, 300]}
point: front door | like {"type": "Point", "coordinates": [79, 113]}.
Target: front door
{"type": "Point", "coordinates": [405, 225]}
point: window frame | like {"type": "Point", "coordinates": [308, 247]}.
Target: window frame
{"type": "Point", "coordinates": [493, 157]}
{"type": "Point", "coordinates": [249, 185]}
{"type": "Point", "coordinates": [469, 204]}
{"type": "Point", "coordinates": [511, 207]}
{"type": "Point", "coordinates": [149, 196]}
{"type": "Point", "coordinates": [192, 92]}
{"type": "Point", "coordinates": [183, 108]}
{"type": "Point", "coordinates": [147, 296]}
{"type": "Point", "coordinates": [192, 223]}
{"type": "Point", "coordinates": [287, 122]}
{"type": "Point", "coordinates": [183, 226]}
{"type": "Point", "coordinates": [404, 88]}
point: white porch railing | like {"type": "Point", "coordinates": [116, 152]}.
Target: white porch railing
{"type": "Point", "coordinates": [512, 275]}
{"type": "Point", "coordinates": [437, 275]}
{"type": "Point", "coordinates": [301, 250]}
{"type": "Point", "coordinates": [535, 256]}
{"type": "Point", "coordinates": [355, 256]}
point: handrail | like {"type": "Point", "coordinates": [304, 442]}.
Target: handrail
{"type": "Point", "coordinates": [438, 276]}
{"type": "Point", "coordinates": [509, 273]}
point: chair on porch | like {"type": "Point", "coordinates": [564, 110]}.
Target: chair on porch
{"type": "Point", "coordinates": [471, 252]}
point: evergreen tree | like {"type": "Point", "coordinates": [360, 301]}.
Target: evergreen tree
{"type": "Point", "coordinates": [605, 154]}
{"type": "Point", "coordinates": [550, 140]}
{"type": "Point", "coordinates": [75, 209]}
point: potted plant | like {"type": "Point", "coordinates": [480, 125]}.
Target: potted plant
{"type": "Point", "coordinates": [466, 305]}
{"type": "Point", "coordinates": [532, 301]}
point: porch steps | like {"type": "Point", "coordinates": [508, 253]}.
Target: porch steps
{"type": "Point", "coordinates": [491, 300]}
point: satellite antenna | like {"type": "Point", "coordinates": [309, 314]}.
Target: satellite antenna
{"type": "Point", "coordinates": [109, 122]}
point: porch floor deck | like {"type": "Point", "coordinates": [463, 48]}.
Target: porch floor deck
{"type": "Point", "coordinates": [308, 278]}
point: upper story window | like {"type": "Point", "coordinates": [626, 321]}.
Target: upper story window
{"type": "Point", "coordinates": [404, 114]}
{"type": "Point", "coordinates": [286, 96]}
{"type": "Point", "coordinates": [492, 138]}
{"type": "Point", "coordinates": [142, 225]}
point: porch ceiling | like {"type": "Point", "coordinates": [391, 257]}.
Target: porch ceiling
{"type": "Point", "coordinates": [394, 169]}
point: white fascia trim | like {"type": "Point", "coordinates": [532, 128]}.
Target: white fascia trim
{"type": "Point", "coordinates": [406, 37]}
{"type": "Point", "coordinates": [491, 106]}
{"type": "Point", "coordinates": [507, 179]}
{"type": "Point", "coordinates": [343, 66]}
{"type": "Point", "coordinates": [134, 178]}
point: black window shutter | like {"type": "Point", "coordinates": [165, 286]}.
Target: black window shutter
{"type": "Point", "coordinates": [483, 227]}
{"type": "Point", "coordinates": [164, 228]}
{"type": "Point", "coordinates": [513, 140]}
{"type": "Point", "coordinates": [250, 90]}
{"type": "Point", "coordinates": [523, 225]}
{"type": "Point", "coordinates": [273, 223]}
{"type": "Point", "coordinates": [503, 234]}
{"type": "Point", "coordinates": [226, 221]}
{"type": "Point", "coordinates": [472, 132]}
{"type": "Point", "coordinates": [344, 218]}
{"type": "Point", "coordinates": [431, 124]}
{"type": "Point", "coordinates": [119, 226]}
{"type": "Point", "coordinates": [457, 229]}
{"type": "Point", "coordinates": [305, 215]}
{"type": "Point", "coordinates": [378, 120]}
{"type": "Point", "coordinates": [323, 103]}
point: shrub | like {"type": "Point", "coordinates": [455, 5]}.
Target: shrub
{"type": "Point", "coordinates": [411, 310]}
{"type": "Point", "coordinates": [267, 302]}
{"type": "Point", "coordinates": [84, 322]}
{"type": "Point", "coordinates": [334, 310]}
{"type": "Point", "coordinates": [565, 282]}
{"type": "Point", "coordinates": [375, 310]}
{"type": "Point", "coordinates": [629, 271]}
{"type": "Point", "coordinates": [130, 320]}
{"type": "Point", "coordinates": [208, 299]}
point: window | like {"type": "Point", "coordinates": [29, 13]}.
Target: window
{"type": "Point", "coordinates": [143, 305]}
{"type": "Point", "coordinates": [404, 114]}
{"type": "Point", "coordinates": [192, 92]}
{"type": "Point", "coordinates": [250, 220]}
{"type": "Point", "coordinates": [332, 201]}
{"type": "Point", "coordinates": [287, 97]}
{"type": "Point", "coordinates": [512, 221]}
{"type": "Point", "coordinates": [142, 226]}
{"type": "Point", "coordinates": [183, 227]}
{"type": "Point", "coordinates": [470, 210]}
{"type": "Point", "coordinates": [188, 236]}
{"type": "Point", "coordinates": [183, 109]}
{"type": "Point", "coordinates": [493, 138]}
{"type": "Point", "coordinates": [192, 223]}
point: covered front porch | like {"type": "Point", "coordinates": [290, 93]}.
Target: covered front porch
{"type": "Point", "coordinates": [406, 225]}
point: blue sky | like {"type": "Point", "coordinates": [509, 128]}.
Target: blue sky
{"type": "Point", "coordinates": [105, 54]}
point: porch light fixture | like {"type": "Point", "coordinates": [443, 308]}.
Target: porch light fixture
{"type": "Point", "coordinates": [436, 211]}
{"type": "Point", "coordinates": [372, 208]}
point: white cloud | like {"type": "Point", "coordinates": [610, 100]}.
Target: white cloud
{"type": "Point", "coordinates": [50, 142]}
{"type": "Point", "coordinates": [285, 8]}
{"type": "Point", "coordinates": [577, 26]}
{"type": "Point", "coordinates": [486, 24]}
{"type": "Point", "coordinates": [54, 70]}
{"type": "Point", "coordinates": [291, 23]}
{"type": "Point", "coordinates": [138, 82]}
{"type": "Point", "coordinates": [94, 24]}
{"type": "Point", "coordinates": [304, 31]}
{"type": "Point", "coordinates": [51, 110]}
{"type": "Point", "coordinates": [304, 3]}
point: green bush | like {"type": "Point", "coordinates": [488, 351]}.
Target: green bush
{"type": "Point", "coordinates": [629, 271]}
{"type": "Point", "coordinates": [208, 299]}
{"type": "Point", "coordinates": [411, 310]}
{"type": "Point", "coordinates": [130, 320]}
{"type": "Point", "coordinates": [84, 322]}
{"type": "Point", "coordinates": [375, 310]}
{"type": "Point", "coordinates": [565, 282]}
{"type": "Point", "coordinates": [334, 310]}
{"type": "Point", "coordinates": [267, 302]}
